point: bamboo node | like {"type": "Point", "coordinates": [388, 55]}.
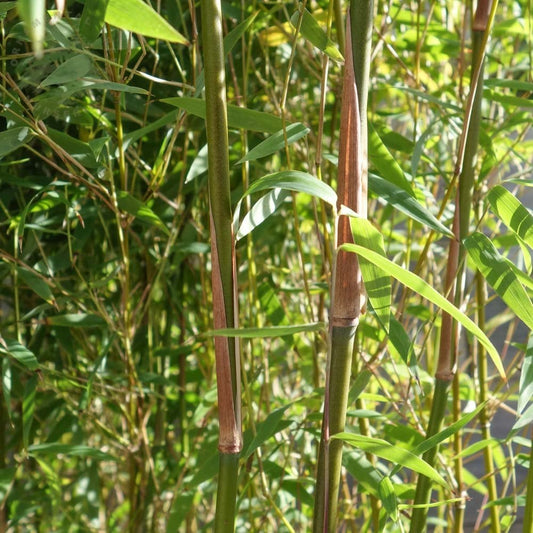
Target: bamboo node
{"type": "Point", "coordinates": [445, 375]}
{"type": "Point", "coordinates": [344, 322]}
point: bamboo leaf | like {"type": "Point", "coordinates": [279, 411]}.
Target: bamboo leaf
{"type": "Point", "coordinates": [405, 202]}
{"type": "Point", "coordinates": [386, 164]}
{"type": "Point", "coordinates": [75, 320]}
{"type": "Point", "coordinates": [500, 275]}
{"type": "Point", "coordinates": [362, 469]}
{"type": "Point", "coordinates": [7, 6]}
{"type": "Point", "coordinates": [28, 408]}
{"type": "Point", "coordinates": [138, 17]}
{"type": "Point", "coordinates": [198, 166]}
{"type": "Point", "coordinates": [272, 331]}
{"type": "Point", "coordinates": [36, 283]}
{"type": "Point", "coordinates": [419, 286]}
{"type": "Point", "coordinates": [261, 210]}
{"type": "Point", "coordinates": [135, 207]}
{"type": "Point", "coordinates": [377, 286]}
{"type": "Point", "coordinates": [512, 212]}
{"type": "Point", "coordinates": [399, 456]}
{"type": "Point", "coordinates": [77, 450]}
{"type": "Point", "coordinates": [92, 19]}
{"type": "Point", "coordinates": [19, 352]}
{"type": "Point", "coordinates": [276, 142]}
{"type": "Point", "coordinates": [79, 150]}
{"type": "Point", "coordinates": [72, 69]}
{"type": "Point", "coordinates": [388, 498]}
{"type": "Point", "coordinates": [12, 139]}
{"type": "Point", "coordinates": [525, 394]}
{"type": "Point", "coordinates": [238, 117]}
{"type": "Point", "coordinates": [294, 180]}
{"type": "Point", "coordinates": [312, 31]}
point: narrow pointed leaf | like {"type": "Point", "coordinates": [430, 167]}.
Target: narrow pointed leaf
{"type": "Point", "coordinates": [405, 202]}
{"type": "Point", "coordinates": [312, 31]}
{"type": "Point", "coordinates": [238, 117]}
{"type": "Point", "coordinates": [500, 275]}
{"type": "Point", "coordinates": [386, 165]}
{"type": "Point", "coordinates": [28, 408]}
{"type": "Point", "coordinates": [399, 456]}
{"type": "Point", "coordinates": [135, 207]}
{"type": "Point", "coordinates": [512, 212]}
{"type": "Point", "coordinates": [294, 180]}
{"type": "Point", "coordinates": [272, 331]}
{"type": "Point", "coordinates": [36, 283]}
{"type": "Point", "coordinates": [92, 19]}
{"type": "Point", "coordinates": [78, 450]}
{"type": "Point", "coordinates": [12, 139]}
{"type": "Point", "coordinates": [276, 142]}
{"type": "Point", "coordinates": [266, 429]}
{"type": "Point", "coordinates": [261, 210]}
{"type": "Point", "coordinates": [75, 320]}
{"type": "Point", "coordinates": [72, 69]}
{"type": "Point", "coordinates": [525, 394]}
{"type": "Point", "coordinates": [388, 498]}
{"type": "Point", "coordinates": [20, 353]}
{"type": "Point", "coordinates": [377, 286]}
{"type": "Point", "coordinates": [137, 16]}
{"type": "Point", "coordinates": [419, 286]}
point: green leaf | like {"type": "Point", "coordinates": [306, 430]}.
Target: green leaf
{"type": "Point", "coordinates": [138, 17]}
{"type": "Point", "coordinates": [19, 352]}
{"type": "Point", "coordinates": [7, 6]}
{"type": "Point", "coordinates": [361, 381]}
{"type": "Point", "coordinates": [104, 85]}
{"type": "Point", "coordinates": [261, 333]}
{"type": "Point", "coordinates": [294, 180]}
{"type": "Point", "coordinates": [78, 450]}
{"type": "Point", "coordinates": [500, 275]}
{"type": "Point", "coordinates": [76, 320]}
{"type": "Point", "coordinates": [12, 139]}
{"type": "Point", "coordinates": [79, 150]}
{"type": "Point", "coordinates": [198, 166]}
{"type": "Point", "coordinates": [92, 19]}
{"type": "Point", "coordinates": [419, 286]}
{"type": "Point", "coordinates": [152, 126]}
{"type": "Point", "coordinates": [377, 286]}
{"type": "Point", "coordinates": [507, 99]}
{"type": "Point", "coordinates": [399, 456]}
{"type": "Point", "coordinates": [135, 207]}
{"type": "Point", "coordinates": [404, 202]}
{"type": "Point", "coordinates": [384, 162]}
{"type": "Point", "coordinates": [72, 69]}
{"type": "Point", "coordinates": [36, 283]}
{"type": "Point", "coordinates": [276, 142]}
{"type": "Point", "coordinates": [525, 390]}
{"type": "Point", "coordinates": [513, 214]}
{"type": "Point", "coordinates": [238, 117]}
{"type": "Point", "coordinates": [363, 470]}
{"type": "Point", "coordinates": [388, 498]}
{"type": "Point", "coordinates": [7, 476]}
{"type": "Point", "coordinates": [28, 408]}
{"type": "Point", "coordinates": [179, 510]}
{"type": "Point", "coordinates": [260, 211]}
{"type": "Point", "coordinates": [312, 31]}
{"type": "Point", "coordinates": [266, 429]}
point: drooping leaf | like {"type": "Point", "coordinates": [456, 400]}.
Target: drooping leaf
{"type": "Point", "coordinates": [377, 286]}
{"type": "Point", "coordinates": [500, 275]}
{"type": "Point", "coordinates": [294, 180]}
{"type": "Point", "coordinates": [28, 408]}
{"type": "Point", "coordinates": [12, 139]}
{"type": "Point", "coordinates": [525, 394]}
{"type": "Point", "coordinates": [135, 207]}
{"type": "Point", "coordinates": [362, 469]}
{"type": "Point", "coordinates": [198, 166]}
{"type": "Point", "coordinates": [179, 510]}
{"type": "Point", "coordinates": [152, 126]}
{"type": "Point", "coordinates": [92, 19]}
{"type": "Point", "coordinates": [238, 117]}
{"type": "Point", "coordinates": [20, 353]}
{"type": "Point", "coordinates": [388, 498]}
{"type": "Point", "coordinates": [312, 31]}
{"type": "Point", "coordinates": [79, 150]}
{"type": "Point", "coordinates": [272, 331]}
{"type": "Point", "coordinates": [276, 142]}
{"type": "Point", "coordinates": [512, 212]}
{"type": "Point", "coordinates": [75, 320]}
{"type": "Point", "coordinates": [78, 450]}
{"type": "Point", "coordinates": [72, 69]}
{"type": "Point", "coordinates": [36, 283]}
{"type": "Point", "coordinates": [421, 287]}
{"type": "Point", "coordinates": [261, 210]}
{"type": "Point", "coordinates": [399, 456]}
{"type": "Point", "coordinates": [387, 166]}
{"type": "Point", "coordinates": [361, 381]}
{"type": "Point", "coordinates": [7, 6]}
{"type": "Point", "coordinates": [138, 17]}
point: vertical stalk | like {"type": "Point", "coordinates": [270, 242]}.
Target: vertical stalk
{"type": "Point", "coordinates": [448, 349]}
{"type": "Point", "coordinates": [223, 265]}
{"type": "Point", "coordinates": [528, 510]}
{"type": "Point", "coordinates": [347, 290]}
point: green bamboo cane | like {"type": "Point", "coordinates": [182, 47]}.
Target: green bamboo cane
{"type": "Point", "coordinates": [348, 291]}
{"type": "Point", "coordinates": [223, 265]}
{"type": "Point", "coordinates": [446, 367]}
{"type": "Point", "coordinates": [528, 510]}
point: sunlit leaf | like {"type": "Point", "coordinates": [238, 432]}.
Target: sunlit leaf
{"type": "Point", "coordinates": [92, 19]}
{"type": "Point", "coordinates": [421, 287]}
{"type": "Point", "coordinates": [12, 139]}
{"type": "Point", "coordinates": [512, 212]}
{"type": "Point", "coordinates": [276, 142]}
{"type": "Point", "coordinates": [312, 31]}
{"type": "Point", "coordinates": [388, 498]}
{"type": "Point", "coordinates": [399, 456]}
{"type": "Point", "coordinates": [78, 450]}
{"type": "Point", "coordinates": [19, 352]}
{"type": "Point", "coordinates": [135, 207]}
{"type": "Point", "coordinates": [137, 16]}
{"type": "Point", "coordinates": [500, 275]}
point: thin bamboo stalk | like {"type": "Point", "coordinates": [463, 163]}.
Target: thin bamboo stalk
{"type": "Point", "coordinates": [223, 265]}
